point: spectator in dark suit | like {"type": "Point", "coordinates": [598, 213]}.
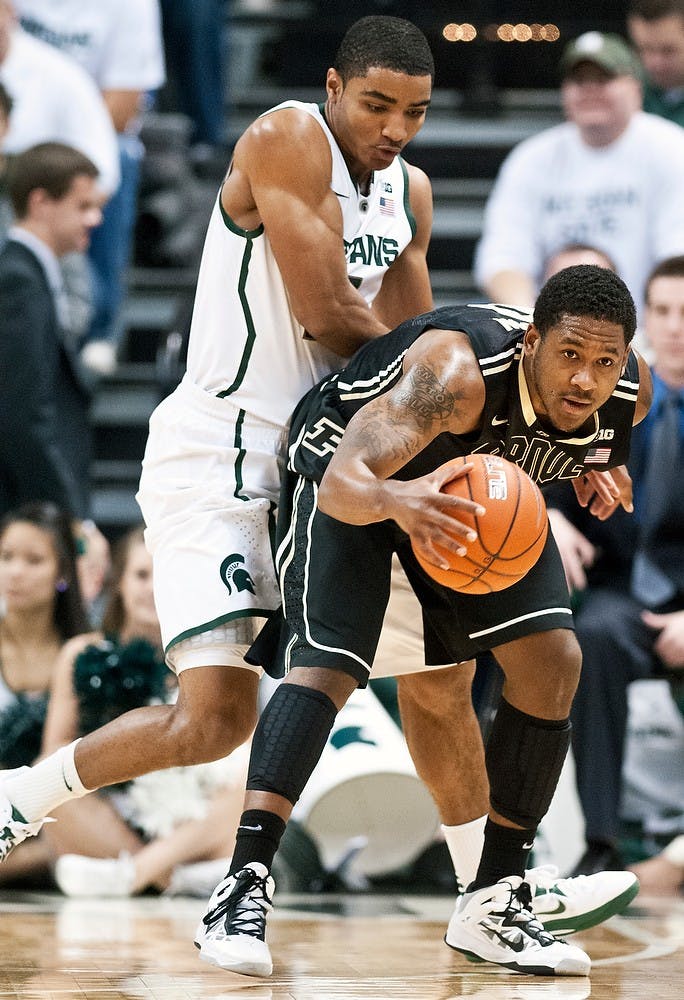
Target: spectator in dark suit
{"type": "Point", "coordinates": [44, 401]}
{"type": "Point", "coordinates": [628, 576]}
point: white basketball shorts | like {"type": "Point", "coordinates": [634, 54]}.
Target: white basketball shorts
{"type": "Point", "coordinates": [208, 494]}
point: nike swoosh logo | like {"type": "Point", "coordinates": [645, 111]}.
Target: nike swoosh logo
{"type": "Point", "coordinates": [255, 828]}
{"type": "Point", "coordinates": [499, 420]}
{"type": "Point", "coordinates": [65, 781]}
{"type": "Point", "coordinates": [516, 943]}
{"type": "Point", "coordinates": [528, 847]}
{"type": "Point", "coordinates": [339, 194]}
{"type": "Point", "coordinates": [559, 907]}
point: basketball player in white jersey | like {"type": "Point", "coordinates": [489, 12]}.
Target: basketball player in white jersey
{"type": "Point", "coordinates": [317, 243]}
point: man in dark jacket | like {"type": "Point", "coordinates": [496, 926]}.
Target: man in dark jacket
{"type": "Point", "coordinates": [45, 437]}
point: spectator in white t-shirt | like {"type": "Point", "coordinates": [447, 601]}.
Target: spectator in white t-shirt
{"type": "Point", "coordinates": [610, 176]}
{"type": "Point", "coordinates": [119, 44]}
{"type": "Point", "coordinates": [53, 100]}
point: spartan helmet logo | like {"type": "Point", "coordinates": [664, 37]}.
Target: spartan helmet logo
{"type": "Point", "coordinates": [234, 574]}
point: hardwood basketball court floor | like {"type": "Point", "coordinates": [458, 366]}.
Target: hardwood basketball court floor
{"type": "Point", "coordinates": [324, 948]}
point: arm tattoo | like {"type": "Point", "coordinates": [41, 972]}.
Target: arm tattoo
{"type": "Point", "coordinates": [426, 397]}
{"type": "Point", "coordinates": [398, 447]}
{"type": "Point", "coordinates": [394, 426]}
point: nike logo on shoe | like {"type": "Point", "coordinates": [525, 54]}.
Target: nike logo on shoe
{"type": "Point", "coordinates": [560, 907]}
{"type": "Point", "coordinates": [516, 941]}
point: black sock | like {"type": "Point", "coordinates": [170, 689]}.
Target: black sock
{"type": "Point", "coordinates": [258, 837]}
{"type": "Point", "coordinates": [505, 852]}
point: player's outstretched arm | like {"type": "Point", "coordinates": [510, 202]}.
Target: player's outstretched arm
{"type": "Point", "coordinates": [441, 390]}
{"type": "Point", "coordinates": [280, 178]}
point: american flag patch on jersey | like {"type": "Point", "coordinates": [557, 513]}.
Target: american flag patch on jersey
{"type": "Point", "coordinates": [597, 456]}
{"type": "Point", "coordinates": [386, 205]}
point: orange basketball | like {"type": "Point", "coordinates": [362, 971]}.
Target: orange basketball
{"type": "Point", "coordinates": [511, 533]}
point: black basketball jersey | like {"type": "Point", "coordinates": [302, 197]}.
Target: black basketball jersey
{"type": "Point", "coordinates": [509, 424]}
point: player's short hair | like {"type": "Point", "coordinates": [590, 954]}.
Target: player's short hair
{"type": "Point", "coordinates": [654, 10]}
{"type": "Point", "coordinates": [671, 267]}
{"type": "Point", "coordinates": [52, 166]}
{"type": "Point", "coordinates": [387, 43]}
{"type": "Point", "coordinates": [585, 290]}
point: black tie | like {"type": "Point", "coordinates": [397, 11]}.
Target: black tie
{"type": "Point", "coordinates": [651, 583]}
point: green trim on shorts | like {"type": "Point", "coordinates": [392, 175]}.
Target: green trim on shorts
{"type": "Point", "coordinates": [221, 620]}
{"type": "Point", "coordinates": [272, 534]}
{"type": "Point", "coordinates": [237, 442]}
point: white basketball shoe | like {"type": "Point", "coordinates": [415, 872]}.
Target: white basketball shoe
{"type": "Point", "coordinates": [232, 932]}
{"type": "Point", "coordinates": [495, 924]}
{"type": "Point", "coordinates": [14, 829]}
{"type": "Point", "coordinates": [566, 905]}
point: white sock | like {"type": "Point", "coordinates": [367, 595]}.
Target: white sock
{"type": "Point", "coordinates": [36, 791]}
{"type": "Point", "coordinates": [465, 843]}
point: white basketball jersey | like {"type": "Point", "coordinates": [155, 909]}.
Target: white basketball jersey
{"type": "Point", "coordinates": [245, 344]}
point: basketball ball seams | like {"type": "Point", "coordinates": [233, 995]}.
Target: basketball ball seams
{"type": "Point", "coordinates": [497, 553]}
{"type": "Point", "coordinates": [511, 534]}
{"type": "Point", "coordinates": [540, 516]}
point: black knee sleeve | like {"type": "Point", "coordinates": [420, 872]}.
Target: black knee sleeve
{"type": "Point", "coordinates": [525, 758]}
{"type": "Point", "coordinates": [289, 740]}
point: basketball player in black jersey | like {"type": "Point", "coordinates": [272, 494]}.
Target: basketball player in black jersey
{"type": "Point", "coordinates": [557, 394]}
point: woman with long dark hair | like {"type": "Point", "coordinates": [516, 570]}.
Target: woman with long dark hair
{"type": "Point", "coordinates": [40, 609]}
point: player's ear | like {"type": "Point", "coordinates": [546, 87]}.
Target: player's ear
{"type": "Point", "coordinates": [333, 84]}
{"type": "Point", "coordinates": [531, 339]}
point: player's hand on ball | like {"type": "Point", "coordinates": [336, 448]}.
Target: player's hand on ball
{"type": "Point", "coordinates": [430, 516]}
{"type": "Point", "coordinates": [504, 541]}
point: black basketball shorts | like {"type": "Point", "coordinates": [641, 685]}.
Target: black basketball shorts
{"type": "Point", "coordinates": [335, 581]}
